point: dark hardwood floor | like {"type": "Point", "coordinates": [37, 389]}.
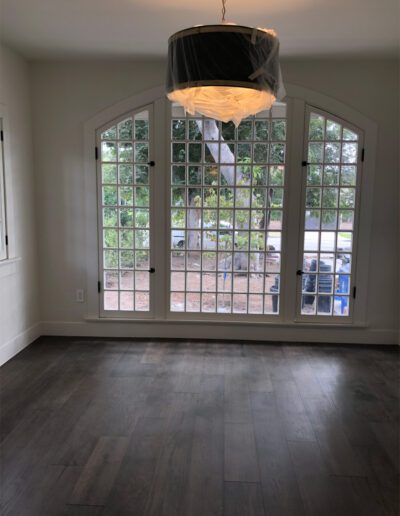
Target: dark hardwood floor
{"type": "Point", "coordinates": [161, 428]}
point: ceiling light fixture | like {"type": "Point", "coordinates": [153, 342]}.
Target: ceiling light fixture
{"type": "Point", "coordinates": [225, 71]}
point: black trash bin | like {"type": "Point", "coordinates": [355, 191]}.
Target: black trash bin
{"type": "Point", "coordinates": [325, 286]}
{"type": "Point", "coordinates": [275, 297]}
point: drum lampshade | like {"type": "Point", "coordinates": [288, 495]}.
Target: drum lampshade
{"type": "Point", "coordinates": [226, 72]}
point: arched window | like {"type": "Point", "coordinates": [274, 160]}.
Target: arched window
{"type": "Point", "coordinates": [200, 220]}
{"type": "Point", "coordinates": [333, 150]}
{"type": "Point", "coordinates": [124, 213]}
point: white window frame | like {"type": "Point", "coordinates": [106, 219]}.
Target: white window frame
{"type": "Point", "coordinates": [3, 200]}
{"type": "Point", "coordinates": [359, 165]}
{"type": "Point", "coordinates": [297, 99]}
{"type": "Point", "coordinates": [123, 313]}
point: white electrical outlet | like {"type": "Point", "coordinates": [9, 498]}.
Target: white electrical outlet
{"type": "Point", "coordinates": [80, 295]}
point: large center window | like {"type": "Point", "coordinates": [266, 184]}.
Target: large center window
{"type": "Point", "coordinates": [226, 213]}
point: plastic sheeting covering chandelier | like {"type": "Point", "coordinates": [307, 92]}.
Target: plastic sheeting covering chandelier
{"type": "Point", "coordinates": [226, 72]}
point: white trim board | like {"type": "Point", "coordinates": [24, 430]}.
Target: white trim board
{"type": "Point", "coordinates": [190, 329]}
{"type": "Point", "coordinates": [19, 342]}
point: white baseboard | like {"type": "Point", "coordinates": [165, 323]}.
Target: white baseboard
{"type": "Point", "coordinates": [192, 330]}
{"type": "Point", "coordinates": [19, 342]}
{"type": "Point", "coordinates": [195, 330]}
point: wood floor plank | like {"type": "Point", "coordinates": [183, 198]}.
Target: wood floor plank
{"type": "Point", "coordinates": [237, 407]}
{"type": "Point", "coordinates": [241, 464]}
{"type": "Point", "coordinates": [34, 492]}
{"type": "Point", "coordinates": [82, 510]}
{"type": "Point", "coordinates": [278, 479]}
{"type": "Point", "coordinates": [243, 499]}
{"type": "Point", "coordinates": [168, 493]}
{"type": "Point", "coordinates": [334, 444]}
{"type": "Point", "coordinates": [113, 411]}
{"type": "Point", "coordinates": [98, 476]}
{"type": "Point", "coordinates": [318, 489]}
{"type": "Point", "coordinates": [205, 487]}
{"type": "Point", "coordinates": [382, 473]}
{"type": "Point", "coordinates": [291, 408]}
{"type": "Point", "coordinates": [133, 485]}
{"type": "Point", "coordinates": [388, 437]}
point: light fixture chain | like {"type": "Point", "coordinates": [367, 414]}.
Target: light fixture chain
{"type": "Point", "coordinates": [223, 10]}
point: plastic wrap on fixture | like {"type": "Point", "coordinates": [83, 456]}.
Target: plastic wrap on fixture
{"type": "Point", "coordinates": [226, 72]}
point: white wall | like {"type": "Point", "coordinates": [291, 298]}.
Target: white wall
{"type": "Point", "coordinates": [19, 302]}
{"type": "Point", "coordinates": [65, 95]}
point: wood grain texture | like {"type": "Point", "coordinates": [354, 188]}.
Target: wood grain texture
{"type": "Point", "coordinates": [241, 464]}
{"type": "Point", "coordinates": [243, 499]}
{"type": "Point", "coordinates": [101, 427]}
{"type": "Point", "coordinates": [98, 475]}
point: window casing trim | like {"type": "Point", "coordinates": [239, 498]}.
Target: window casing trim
{"type": "Point", "coordinates": [11, 257]}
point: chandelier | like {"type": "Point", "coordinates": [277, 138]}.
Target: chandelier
{"type": "Point", "coordinates": [225, 71]}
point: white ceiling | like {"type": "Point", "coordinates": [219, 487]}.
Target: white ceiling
{"type": "Point", "coordinates": [128, 29]}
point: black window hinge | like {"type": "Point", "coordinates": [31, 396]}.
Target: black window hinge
{"type": "Point", "coordinates": [354, 292]}
{"type": "Point", "coordinates": [6, 239]}
{"type": "Point", "coordinates": [99, 287]}
{"type": "Point", "coordinates": [96, 153]}
{"type": "Point", "coordinates": [304, 163]}
{"type": "Point", "coordinates": [362, 154]}
{"type": "Point", "coordinates": [2, 135]}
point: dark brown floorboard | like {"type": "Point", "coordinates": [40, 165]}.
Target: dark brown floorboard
{"type": "Point", "coordinates": [101, 427]}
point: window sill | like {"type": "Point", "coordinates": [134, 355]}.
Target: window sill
{"type": "Point", "coordinates": [9, 266]}
{"type": "Point", "coordinates": [277, 324]}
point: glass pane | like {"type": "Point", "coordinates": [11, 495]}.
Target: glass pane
{"type": "Point", "coordinates": [314, 175]}
{"type": "Point", "coordinates": [332, 152]}
{"type": "Point", "coordinates": [279, 130]}
{"type": "Point", "coordinates": [108, 151]}
{"type": "Point", "coordinates": [141, 174]}
{"type": "Point", "coordinates": [125, 129]}
{"type": "Point", "coordinates": [315, 152]}
{"type": "Point", "coordinates": [125, 151]}
{"type": "Point", "coordinates": [349, 153]}
{"type": "Point", "coordinates": [109, 173]}
{"type": "Point", "coordinates": [109, 134]}
{"type": "Point", "coordinates": [331, 175]}
{"type": "Point", "coordinates": [141, 152]}
{"type": "Point", "coordinates": [333, 130]}
{"type": "Point", "coordinates": [261, 130]}
{"type": "Point", "coordinates": [125, 174]}
{"type": "Point", "coordinates": [110, 195]}
{"type": "Point", "coordinates": [245, 130]}
{"type": "Point", "coordinates": [195, 129]}
{"type": "Point", "coordinates": [348, 175]}
{"type": "Point", "coordinates": [178, 130]}
{"type": "Point", "coordinates": [317, 127]}
{"type": "Point", "coordinates": [142, 126]}
{"type": "Point", "coordinates": [349, 135]}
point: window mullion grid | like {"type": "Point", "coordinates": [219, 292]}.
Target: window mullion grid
{"type": "Point", "coordinates": [249, 229]}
